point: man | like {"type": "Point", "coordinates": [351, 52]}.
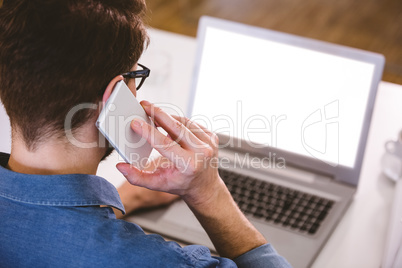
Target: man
{"type": "Point", "coordinates": [55, 55]}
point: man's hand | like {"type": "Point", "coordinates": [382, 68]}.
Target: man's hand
{"type": "Point", "coordinates": [190, 158]}
{"type": "Point", "coordinates": [190, 169]}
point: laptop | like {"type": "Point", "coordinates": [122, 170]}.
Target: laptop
{"type": "Point", "coordinates": [292, 115]}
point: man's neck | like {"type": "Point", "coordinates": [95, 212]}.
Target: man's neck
{"type": "Point", "coordinates": [53, 157]}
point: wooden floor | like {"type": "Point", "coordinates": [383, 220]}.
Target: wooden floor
{"type": "Point", "coordinates": [374, 25]}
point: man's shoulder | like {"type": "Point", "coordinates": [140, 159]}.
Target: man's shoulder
{"type": "Point", "coordinates": [126, 244]}
{"type": "Point", "coordinates": [75, 237]}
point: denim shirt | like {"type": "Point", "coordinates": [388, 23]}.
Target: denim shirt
{"type": "Point", "coordinates": [57, 221]}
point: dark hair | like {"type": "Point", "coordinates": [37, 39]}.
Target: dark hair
{"type": "Point", "coordinates": [57, 54]}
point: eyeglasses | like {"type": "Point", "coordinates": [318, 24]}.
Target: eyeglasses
{"type": "Point", "coordinates": [139, 75]}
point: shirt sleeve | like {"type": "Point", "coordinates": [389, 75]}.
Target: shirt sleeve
{"type": "Point", "coordinates": [263, 256]}
{"type": "Point", "coordinates": [201, 257]}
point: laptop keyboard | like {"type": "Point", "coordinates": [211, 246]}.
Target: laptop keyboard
{"type": "Point", "coordinates": [277, 204]}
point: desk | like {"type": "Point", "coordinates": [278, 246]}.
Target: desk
{"type": "Point", "coordinates": [359, 239]}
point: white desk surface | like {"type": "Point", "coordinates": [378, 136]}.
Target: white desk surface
{"type": "Point", "coordinates": [359, 239]}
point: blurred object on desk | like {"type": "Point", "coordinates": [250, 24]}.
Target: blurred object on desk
{"type": "Point", "coordinates": [392, 159]}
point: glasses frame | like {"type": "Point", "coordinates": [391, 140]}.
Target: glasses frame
{"type": "Point", "coordinates": [143, 74]}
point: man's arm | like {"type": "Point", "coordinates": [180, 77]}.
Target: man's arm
{"type": "Point", "coordinates": [229, 230]}
{"type": "Point", "coordinates": [191, 172]}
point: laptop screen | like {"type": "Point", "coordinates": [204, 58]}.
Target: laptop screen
{"type": "Point", "coordinates": [270, 93]}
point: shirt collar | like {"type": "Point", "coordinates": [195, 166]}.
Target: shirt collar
{"type": "Point", "coordinates": [57, 190]}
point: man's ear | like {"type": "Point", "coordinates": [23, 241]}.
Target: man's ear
{"type": "Point", "coordinates": [110, 87]}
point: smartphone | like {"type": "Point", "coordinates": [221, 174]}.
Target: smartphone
{"type": "Point", "coordinates": [114, 123]}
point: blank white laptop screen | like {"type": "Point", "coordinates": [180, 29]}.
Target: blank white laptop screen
{"type": "Point", "coordinates": [274, 94]}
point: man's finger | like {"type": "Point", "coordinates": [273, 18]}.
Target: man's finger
{"type": "Point", "coordinates": [173, 127]}
{"type": "Point", "coordinates": [137, 177]}
{"type": "Point", "coordinates": [199, 131]}
{"type": "Point", "coordinates": [163, 144]}
{"type": "Point", "coordinates": [154, 180]}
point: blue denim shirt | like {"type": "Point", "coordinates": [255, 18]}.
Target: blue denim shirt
{"type": "Point", "coordinates": [57, 221]}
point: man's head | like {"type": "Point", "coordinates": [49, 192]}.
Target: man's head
{"type": "Point", "coordinates": [57, 54]}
